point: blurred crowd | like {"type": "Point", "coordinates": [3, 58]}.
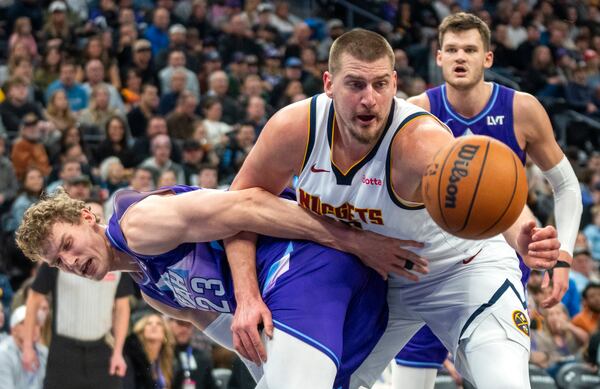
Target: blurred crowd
{"type": "Point", "coordinates": [98, 95]}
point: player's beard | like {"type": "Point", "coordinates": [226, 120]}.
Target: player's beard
{"type": "Point", "coordinates": [366, 136]}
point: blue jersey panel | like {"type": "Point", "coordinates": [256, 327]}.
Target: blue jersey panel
{"type": "Point", "coordinates": [424, 350]}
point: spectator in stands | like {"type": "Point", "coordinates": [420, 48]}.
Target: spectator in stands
{"type": "Point", "coordinates": [161, 158]}
{"type": "Point", "coordinates": [193, 153]}
{"type": "Point", "coordinates": [272, 73]}
{"type": "Point", "coordinates": [94, 74]}
{"type": "Point", "coordinates": [256, 113]}
{"type": "Point", "coordinates": [218, 84]}
{"type": "Point", "coordinates": [27, 150]}
{"type": "Point", "coordinates": [524, 52]}
{"type": "Point", "coordinates": [542, 78]}
{"type": "Point", "coordinates": [12, 373]}
{"type": "Point", "coordinates": [141, 149]}
{"type": "Point", "coordinates": [56, 30]}
{"type": "Point", "coordinates": [234, 152]}
{"type": "Point", "coordinates": [80, 330]}
{"type": "Point", "coordinates": [59, 114]}
{"type": "Point", "coordinates": [69, 169]}
{"type": "Point", "coordinates": [49, 68]}
{"type": "Point", "coordinates": [216, 129]}
{"type": "Point", "coordinates": [583, 269]}
{"type": "Point", "coordinates": [587, 319]}
{"type": "Point", "coordinates": [191, 364]}
{"type": "Point", "coordinates": [180, 122]}
{"type": "Point", "coordinates": [76, 95]}
{"type": "Point", "coordinates": [592, 233]}
{"type": "Point", "coordinates": [141, 59]}
{"type": "Point", "coordinates": [132, 91]}
{"type": "Point", "coordinates": [168, 101]}
{"type": "Point", "coordinates": [95, 117]}
{"type": "Point", "coordinates": [283, 20]}
{"type": "Point", "coordinates": [177, 42]}
{"type": "Point", "coordinates": [33, 184]}
{"type": "Point", "coordinates": [237, 38]}
{"type": "Point", "coordinates": [95, 50]}
{"type": "Point", "coordinates": [335, 28]}
{"type": "Point", "coordinates": [139, 116]}
{"type": "Point", "coordinates": [149, 350]}
{"type": "Point", "coordinates": [8, 180]}
{"type": "Point", "coordinates": [23, 68]}
{"type": "Point", "coordinates": [156, 33]}
{"type": "Point", "coordinates": [167, 178]}
{"type": "Point", "coordinates": [141, 180]}
{"type": "Point", "coordinates": [16, 106]}
{"type": "Point", "coordinates": [115, 143]}
{"type": "Point", "coordinates": [208, 177]}
{"type": "Point", "coordinates": [177, 61]}
{"type": "Point", "coordinates": [112, 175]}
{"type": "Point", "coordinates": [559, 339]}
{"type": "Point", "coordinates": [79, 187]}
{"type": "Point", "coordinates": [22, 33]}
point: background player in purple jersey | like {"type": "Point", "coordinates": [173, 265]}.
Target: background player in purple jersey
{"type": "Point", "coordinates": [329, 309]}
{"type": "Point", "coordinates": [469, 105]}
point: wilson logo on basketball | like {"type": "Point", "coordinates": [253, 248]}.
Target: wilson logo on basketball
{"type": "Point", "coordinates": [460, 170]}
{"type": "Point", "coordinates": [371, 181]}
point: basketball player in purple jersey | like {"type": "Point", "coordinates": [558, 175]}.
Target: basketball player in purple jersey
{"type": "Point", "coordinates": [470, 106]}
{"type": "Point", "coordinates": [329, 309]}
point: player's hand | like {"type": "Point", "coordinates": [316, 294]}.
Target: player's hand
{"type": "Point", "coordinates": [118, 366]}
{"type": "Point", "coordinates": [251, 314]}
{"type": "Point", "coordinates": [388, 255]}
{"type": "Point", "coordinates": [29, 359]}
{"type": "Point", "coordinates": [456, 377]}
{"type": "Point", "coordinates": [538, 246]}
{"type": "Point", "coordinates": [559, 282]}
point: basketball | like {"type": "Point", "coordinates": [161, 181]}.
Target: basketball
{"type": "Point", "coordinates": [475, 187]}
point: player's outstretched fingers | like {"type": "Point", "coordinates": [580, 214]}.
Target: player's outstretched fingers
{"type": "Point", "coordinates": [410, 243]}
{"type": "Point", "coordinates": [402, 272]}
{"type": "Point", "coordinates": [238, 345]}
{"type": "Point", "coordinates": [267, 321]}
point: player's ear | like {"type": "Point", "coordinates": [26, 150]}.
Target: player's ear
{"type": "Point", "coordinates": [489, 59]}
{"type": "Point", "coordinates": [438, 58]}
{"type": "Point", "coordinates": [87, 216]}
{"type": "Point", "coordinates": [328, 83]}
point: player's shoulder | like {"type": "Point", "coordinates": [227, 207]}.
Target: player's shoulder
{"type": "Point", "coordinates": [524, 102]}
{"type": "Point", "coordinates": [421, 101]}
{"type": "Point", "coordinates": [293, 115]}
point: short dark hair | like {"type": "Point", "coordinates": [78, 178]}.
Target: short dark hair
{"type": "Point", "coordinates": [591, 285]}
{"type": "Point", "coordinates": [361, 44]}
{"type": "Point", "coordinates": [463, 21]}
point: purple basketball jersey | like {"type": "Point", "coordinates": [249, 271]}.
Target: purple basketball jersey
{"type": "Point", "coordinates": [324, 297]}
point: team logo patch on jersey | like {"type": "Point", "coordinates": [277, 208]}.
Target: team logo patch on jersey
{"type": "Point", "coordinates": [521, 322]}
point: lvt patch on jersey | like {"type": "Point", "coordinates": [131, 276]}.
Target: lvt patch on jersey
{"type": "Point", "coordinates": [521, 322]}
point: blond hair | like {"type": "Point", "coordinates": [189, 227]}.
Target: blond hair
{"type": "Point", "coordinates": [36, 226]}
{"type": "Point", "coordinates": [361, 44]}
{"type": "Point", "coordinates": [463, 21]}
{"type": "Point", "coordinates": [166, 354]}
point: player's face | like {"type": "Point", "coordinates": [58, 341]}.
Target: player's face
{"type": "Point", "coordinates": [463, 58]}
{"type": "Point", "coordinates": [362, 94]}
{"type": "Point", "coordinates": [79, 248]}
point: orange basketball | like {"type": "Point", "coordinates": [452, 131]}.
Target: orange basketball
{"type": "Point", "coordinates": [475, 188]}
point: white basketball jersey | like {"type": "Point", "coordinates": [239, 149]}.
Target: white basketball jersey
{"type": "Point", "coordinates": [364, 196]}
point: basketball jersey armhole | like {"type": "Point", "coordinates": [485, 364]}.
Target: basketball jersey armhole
{"type": "Point", "coordinates": [399, 201]}
{"type": "Point", "coordinates": [310, 143]}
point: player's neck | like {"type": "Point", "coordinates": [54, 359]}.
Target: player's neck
{"type": "Point", "coordinates": [469, 102]}
{"type": "Point", "coordinates": [119, 260]}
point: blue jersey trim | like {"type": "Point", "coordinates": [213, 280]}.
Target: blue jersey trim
{"type": "Point", "coordinates": [309, 340]}
{"type": "Point", "coordinates": [423, 365]}
{"type": "Point", "coordinates": [274, 269]}
{"type": "Point", "coordinates": [484, 112]}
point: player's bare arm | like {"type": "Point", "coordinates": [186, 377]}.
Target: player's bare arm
{"type": "Point", "coordinates": [534, 130]}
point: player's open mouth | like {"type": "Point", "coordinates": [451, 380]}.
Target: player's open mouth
{"type": "Point", "coordinates": [460, 70]}
{"type": "Point", "coordinates": [366, 119]}
{"type": "Point", "coordinates": [88, 269]}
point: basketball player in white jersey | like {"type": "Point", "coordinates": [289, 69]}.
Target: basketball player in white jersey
{"type": "Point", "coordinates": [469, 105]}
{"type": "Point", "coordinates": [360, 154]}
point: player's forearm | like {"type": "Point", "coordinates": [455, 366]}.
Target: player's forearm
{"type": "Point", "coordinates": [273, 216]}
{"type": "Point", "coordinates": [241, 255]}
{"type": "Point", "coordinates": [120, 323]}
{"type": "Point", "coordinates": [512, 233]}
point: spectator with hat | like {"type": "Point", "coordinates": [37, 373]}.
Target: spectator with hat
{"type": "Point", "coordinates": [12, 373]}
{"type": "Point", "coordinates": [79, 187]}
{"type": "Point", "coordinates": [141, 59]}
{"type": "Point", "coordinates": [57, 30]}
